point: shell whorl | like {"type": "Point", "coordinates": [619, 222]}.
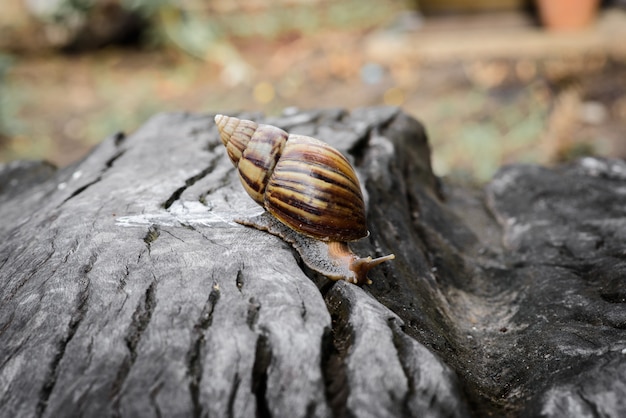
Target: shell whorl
{"type": "Point", "coordinates": [254, 149]}
{"type": "Point", "coordinates": [304, 182]}
{"type": "Point", "coordinates": [315, 188]}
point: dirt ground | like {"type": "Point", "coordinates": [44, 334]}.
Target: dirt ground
{"type": "Point", "coordinates": [490, 89]}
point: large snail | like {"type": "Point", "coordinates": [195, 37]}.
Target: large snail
{"type": "Point", "coordinates": [310, 191]}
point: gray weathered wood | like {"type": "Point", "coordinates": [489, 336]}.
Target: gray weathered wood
{"type": "Point", "coordinates": [126, 289]}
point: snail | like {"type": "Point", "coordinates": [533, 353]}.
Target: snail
{"type": "Point", "coordinates": [310, 192]}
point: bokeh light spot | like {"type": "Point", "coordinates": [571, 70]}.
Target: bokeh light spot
{"type": "Point", "coordinates": [264, 92]}
{"type": "Point", "coordinates": [394, 97]}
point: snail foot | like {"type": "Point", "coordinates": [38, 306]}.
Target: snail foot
{"type": "Point", "coordinates": [333, 259]}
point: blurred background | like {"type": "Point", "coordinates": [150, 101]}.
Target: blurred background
{"type": "Point", "coordinates": [493, 81]}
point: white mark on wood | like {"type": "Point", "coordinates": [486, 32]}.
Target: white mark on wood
{"type": "Point", "coordinates": [191, 213]}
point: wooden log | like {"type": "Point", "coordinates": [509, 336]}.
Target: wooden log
{"type": "Point", "coordinates": [126, 289]}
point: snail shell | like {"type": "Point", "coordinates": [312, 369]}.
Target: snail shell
{"type": "Point", "coordinates": [307, 185]}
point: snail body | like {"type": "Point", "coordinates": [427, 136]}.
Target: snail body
{"type": "Point", "coordinates": [309, 187]}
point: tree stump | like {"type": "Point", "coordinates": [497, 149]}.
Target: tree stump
{"type": "Point", "coordinates": [128, 290]}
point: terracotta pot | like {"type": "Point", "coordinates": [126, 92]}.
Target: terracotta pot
{"type": "Point", "coordinates": [567, 14]}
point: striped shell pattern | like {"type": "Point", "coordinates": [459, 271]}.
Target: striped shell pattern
{"type": "Point", "coordinates": [303, 182]}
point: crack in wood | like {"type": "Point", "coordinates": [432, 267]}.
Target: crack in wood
{"type": "Point", "coordinates": [171, 234]}
{"type": "Point", "coordinates": [108, 164]}
{"type": "Point", "coordinates": [252, 317]}
{"type": "Point", "coordinates": [213, 143]}
{"type": "Point", "coordinates": [139, 322]}
{"type": "Point", "coordinates": [590, 403]}
{"type": "Point", "coordinates": [190, 182]}
{"type": "Point", "coordinates": [4, 262]}
{"type": "Point", "coordinates": [336, 342]}
{"type": "Point", "coordinates": [401, 350]}
{"type": "Point", "coordinates": [119, 138]}
{"type": "Point", "coordinates": [311, 410]}
{"type": "Point", "coordinates": [262, 360]}
{"type": "Point", "coordinates": [124, 279]}
{"type": "Point", "coordinates": [223, 181]}
{"type": "Point", "coordinates": [303, 310]}
{"type": "Point", "coordinates": [195, 354]}
{"type": "Point", "coordinates": [154, 392]}
{"type": "Point", "coordinates": [239, 280]}
{"type": "Point", "coordinates": [76, 318]}
{"type": "Point", "coordinates": [233, 395]}
{"type": "Point", "coordinates": [151, 236]}
{"type": "Point", "coordinates": [194, 229]}
{"type": "Point", "coordinates": [71, 251]}
{"type": "Point", "coordinates": [80, 190]}
{"type": "Point", "coordinates": [3, 329]}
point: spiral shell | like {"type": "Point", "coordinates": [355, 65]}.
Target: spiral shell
{"type": "Point", "coordinates": [303, 182]}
